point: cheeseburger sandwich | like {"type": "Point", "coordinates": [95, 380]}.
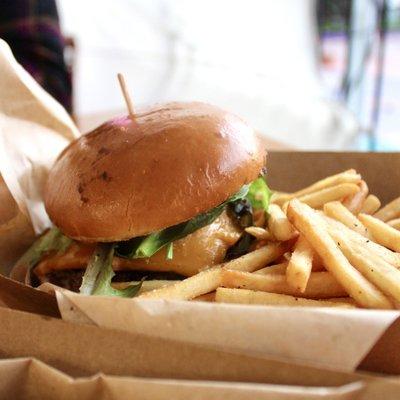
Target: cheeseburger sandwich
{"type": "Point", "coordinates": [162, 195]}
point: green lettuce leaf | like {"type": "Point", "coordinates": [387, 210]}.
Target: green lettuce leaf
{"type": "Point", "coordinates": [170, 251]}
{"type": "Point", "coordinates": [52, 240]}
{"type": "Point", "coordinates": [146, 246]}
{"type": "Point", "coordinates": [99, 273]}
{"type": "Point", "coordinates": [259, 194]}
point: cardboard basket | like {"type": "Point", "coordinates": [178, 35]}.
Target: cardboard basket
{"type": "Point", "coordinates": [31, 326]}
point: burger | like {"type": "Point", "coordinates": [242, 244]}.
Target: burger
{"type": "Point", "coordinates": [162, 194]}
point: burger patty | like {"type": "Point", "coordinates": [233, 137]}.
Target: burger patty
{"type": "Point", "coordinates": [72, 279]}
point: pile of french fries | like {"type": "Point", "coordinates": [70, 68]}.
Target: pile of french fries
{"type": "Point", "coordinates": [327, 245]}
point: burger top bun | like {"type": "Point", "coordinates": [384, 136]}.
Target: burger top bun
{"type": "Point", "coordinates": [130, 177]}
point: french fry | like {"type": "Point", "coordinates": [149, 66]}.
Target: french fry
{"type": "Point", "coordinates": [320, 285]}
{"type": "Point", "coordinates": [273, 269]}
{"type": "Point", "coordinates": [284, 207]}
{"type": "Point", "coordinates": [259, 218]}
{"type": "Point", "coordinates": [243, 296]}
{"type": "Point", "coordinates": [276, 195]}
{"type": "Point", "coordinates": [389, 211]}
{"type": "Point", "coordinates": [317, 263]}
{"type": "Point", "coordinates": [278, 224]}
{"type": "Point", "coordinates": [286, 256]}
{"type": "Point", "coordinates": [146, 285]}
{"type": "Point", "coordinates": [355, 202]}
{"type": "Point", "coordinates": [195, 286]}
{"type": "Point", "coordinates": [312, 226]}
{"type": "Point", "coordinates": [384, 275]}
{"type": "Point", "coordinates": [382, 233]}
{"type": "Point", "coordinates": [371, 205]}
{"type": "Point", "coordinates": [209, 297]}
{"type": "Point", "coordinates": [394, 223]}
{"type": "Point", "coordinates": [258, 258]}
{"type": "Point", "coordinates": [349, 176]}
{"type": "Point", "coordinates": [299, 268]}
{"type": "Point", "coordinates": [318, 199]}
{"type": "Point", "coordinates": [388, 255]}
{"type": "Point", "coordinates": [258, 244]}
{"type": "Point", "coordinates": [259, 233]}
{"type": "Point", "coordinates": [336, 210]}
{"type": "Point", "coordinates": [347, 300]}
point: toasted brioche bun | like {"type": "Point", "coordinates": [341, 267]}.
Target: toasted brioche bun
{"type": "Point", "coordinates": [130, 177]}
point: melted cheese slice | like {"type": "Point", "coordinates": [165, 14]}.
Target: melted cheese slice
{"type": "Point", "coordinates": [205, 247]}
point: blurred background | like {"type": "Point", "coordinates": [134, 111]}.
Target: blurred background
{"type": "Point", "coordinates": [309, 74]}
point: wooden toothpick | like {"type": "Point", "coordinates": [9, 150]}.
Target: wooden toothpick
{"type": "Point", "coordinates": [126, 95]}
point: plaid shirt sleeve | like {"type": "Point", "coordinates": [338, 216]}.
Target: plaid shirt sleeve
{"type": "Point", "coordinates": [32, 30]}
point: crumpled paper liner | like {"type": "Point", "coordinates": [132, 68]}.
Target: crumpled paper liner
{"type": "Point", "coordinates": [23, 98]}
{"type": "Point", "coordinates": [328, 338]}
{"type": "Point", "coordinates": [16, 231]}
{"type": "Point", "coordinates": [9, 207]}
{"type": "Point", "coordinates": [83, 350]}
{"type": "Point", "coordinates": [38, 381]}
{"type": "Point", "coordinates": [153, 367]}
{"type": "Point", "coordinates": [27, 151]}
{"type": "Point", "coordinates": [18, 296]}
{"type": "Point", "coordinates": [16, 235]}
{"type": "Point", "coordinates": [34, 128]}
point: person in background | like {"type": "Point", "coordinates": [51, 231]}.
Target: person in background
{"type": "Point", "coordinates": [32, 30]}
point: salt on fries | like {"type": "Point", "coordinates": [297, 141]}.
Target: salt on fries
{"type": "Point", "coordinates": [383, 233]}
{"type": "Point", "coordinates": [383, 252]}
{"type": "Point", "coordinates": [338, 211]}
{"type": "Point", "coordinates": [320, 285]}
{"type": "Point", "coordinates": [327, 245]}
{"type": "Point", "coordinates": [384, 275]}
{"type": "Point", "coordinates": [243, 296]}
{"type": "Point", "coordinates": [311, 225]}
